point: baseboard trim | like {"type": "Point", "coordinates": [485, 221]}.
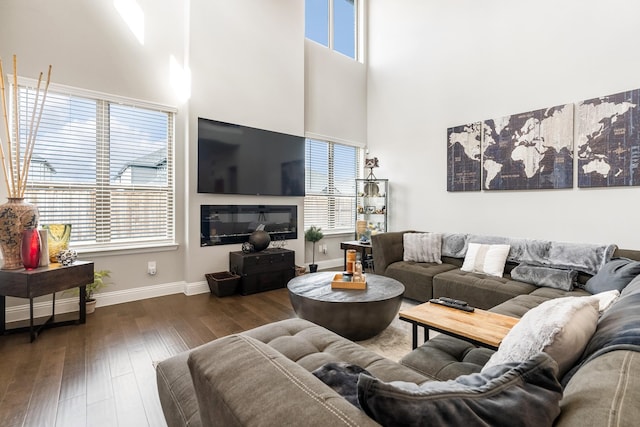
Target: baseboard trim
{"type": "Point", "coordinates": [103, 299]}
{"type": "Point", "coordinates": [69, 305]}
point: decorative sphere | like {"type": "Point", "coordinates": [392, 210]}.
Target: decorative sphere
{"type": "Point", "coordinates": [260, 240]}
{"type": "Point", "coordinates": [67, 256]}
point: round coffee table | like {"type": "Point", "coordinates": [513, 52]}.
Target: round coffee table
{"type": "Point", "coordinates": [354, 314]}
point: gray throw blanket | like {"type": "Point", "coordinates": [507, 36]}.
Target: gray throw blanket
{"type": "Point", "coordinates": [588, 258]}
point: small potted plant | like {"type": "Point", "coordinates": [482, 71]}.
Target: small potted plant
{"type": "Point", "coordinates": [98, 283]}
{"type": "Point", "coordinates": [313, 235]}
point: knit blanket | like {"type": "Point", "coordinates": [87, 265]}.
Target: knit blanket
{"type": "Point", "coordinates": [587, 258]}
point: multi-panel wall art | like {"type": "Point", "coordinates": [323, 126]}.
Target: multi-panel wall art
{"type": "Point", "coordinates": [534, 150]}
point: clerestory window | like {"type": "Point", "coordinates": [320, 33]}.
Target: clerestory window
{"type": "Point", "coordinates": [333, 23]}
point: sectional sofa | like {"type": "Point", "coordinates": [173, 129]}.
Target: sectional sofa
{"type": "Point", "coordinates": [296, 373]}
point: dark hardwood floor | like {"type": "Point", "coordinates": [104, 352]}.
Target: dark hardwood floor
{"type": "Point", "coordinates": [101, 373]}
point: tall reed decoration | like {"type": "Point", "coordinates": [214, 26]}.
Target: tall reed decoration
{"type": "Point", "coordinates": [16, 215]}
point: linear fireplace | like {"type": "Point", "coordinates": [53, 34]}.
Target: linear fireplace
{"type": "Point", "coordinates": [227, 224]}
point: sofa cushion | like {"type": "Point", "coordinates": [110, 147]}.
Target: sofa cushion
{"type": "Point", "coordinates": [545, 276]}
{"type": "Point", "coordinates": [312, 346]}
{"type": "Point", "coordinates": [422, 247]}
{"type": "Point", "coordinates": [446, 358]}
{"type": "Point", "coordinates": [616, 274]}
{"type": "Point", "coordinates": [175, 389]}
{"type": "Point", "coordinates": [486, 259]}
{"type": "Point", "coordinates": [604, 392]}
{"type": "Point", "coordinates": [231, 374]}
{"type": "Point", "coordinates": [417, 277]}
{"type": "Point", "coordinates": [618, 328]}
{"type": "Point", "coordinates": [560, 327]}
{"type": "Point", "coordinates": [479, 290]}
{"type": "Point", "coordinates": [518, 394]}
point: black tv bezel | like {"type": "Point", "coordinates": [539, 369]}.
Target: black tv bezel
{"type": "Point", "coordinates": [296, 163]}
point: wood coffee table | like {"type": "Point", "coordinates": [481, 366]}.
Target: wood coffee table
{"type": "Point", "coordinates": [480, 327]}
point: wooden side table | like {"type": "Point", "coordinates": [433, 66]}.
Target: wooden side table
{"type": "Point", "coordinates": [363, 248]}
{"type": "Point", "coordinates": [44, 281]}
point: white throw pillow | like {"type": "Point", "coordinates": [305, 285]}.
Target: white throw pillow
{"type": "Point", "coordinates": [560, 327]}
{"type": "Point", "coordinates": [486, 259]}
{"type": "Point", "coordinates": [422, 247]}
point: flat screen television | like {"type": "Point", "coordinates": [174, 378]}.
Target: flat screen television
{"type": "Point", "coordinates": [235, 159]}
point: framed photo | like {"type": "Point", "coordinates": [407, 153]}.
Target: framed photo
{"type": "Point", "coordinates": [370, 209]}
{"type": "Point", "coordinates": [371, 163]}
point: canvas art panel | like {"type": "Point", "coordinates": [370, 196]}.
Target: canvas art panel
{"type": "Point", "coordinates": [532, 150]}
{"type": "Point", "coordinates": [608, 140]}
{"type": "Point", "coordinates": [463, 157]}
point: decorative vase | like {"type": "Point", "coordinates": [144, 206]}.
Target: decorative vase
{"type": "Point", "coordinates": [91, 306]}
{"type": "Point", "coordinates": [44, 247]}
{"type": "Point", "coordinates": [58, 239]}
{"type": "Point", "coordinates": [15, 216]}
{"type": "Point", "coordinates": [30, 248]}
{"type": "Point", "coordinates": [260, 240]}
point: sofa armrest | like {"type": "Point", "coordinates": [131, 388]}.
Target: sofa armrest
{"type": "Point", "coordinates": [240, 381]}
{"type": "Point", "coordinates": [387, 248]}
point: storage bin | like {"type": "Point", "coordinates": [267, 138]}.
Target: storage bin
{"type": "Point", "coordinates": [223, 283]}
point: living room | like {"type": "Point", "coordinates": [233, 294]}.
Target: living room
{"type": "Point", "coordinates": [428, 66]}
{"type": "Point", "coordinates": [420, 79]}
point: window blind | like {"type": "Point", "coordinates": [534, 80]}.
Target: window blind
{"type": "Point", "coordinates": [331, 170]}
{"type": "Point", "coordinates": [105, 167]}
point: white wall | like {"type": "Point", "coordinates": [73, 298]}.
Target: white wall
{"type": "Point", "coordinates": [435, 65]}
{"type": "Point", "coordinates": [247, 62]}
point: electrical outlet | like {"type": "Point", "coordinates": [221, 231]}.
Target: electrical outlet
{"type": "Point", "coordinates": [151, 268]}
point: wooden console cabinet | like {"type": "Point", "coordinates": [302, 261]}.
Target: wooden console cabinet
{"type": "Point", "coordinates": [263, 271]}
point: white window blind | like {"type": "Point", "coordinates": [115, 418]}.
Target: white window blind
{"type": "Point", "coordinates": [103, 166]}
{"type": "Point", "coordinates": [331, 170]}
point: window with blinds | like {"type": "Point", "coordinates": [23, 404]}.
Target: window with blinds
{"type": "Point", "coordinates": [331, 170]}
{"type": "Point", "coordinates": [103, 165]}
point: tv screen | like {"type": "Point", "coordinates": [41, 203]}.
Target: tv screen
{"type": "Point", "coordinates": [234, 159]}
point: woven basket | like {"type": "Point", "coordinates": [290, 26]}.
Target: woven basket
{"type": "Point", "coordinates": [223, 283]}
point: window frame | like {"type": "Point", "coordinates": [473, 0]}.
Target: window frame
{"type": "Point", "coordinates": [103, 99]}
{"type": "Point", "coordinates": [332, 196]}
{"type": "Point", "coordinates": [358, 30]}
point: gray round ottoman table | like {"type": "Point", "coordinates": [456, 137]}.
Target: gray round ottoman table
{"type": "Point", "coordinates": [352, 313]}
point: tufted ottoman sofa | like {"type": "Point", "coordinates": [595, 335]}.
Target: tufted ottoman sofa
{"type": "Point", "coordinates": [275, 358]}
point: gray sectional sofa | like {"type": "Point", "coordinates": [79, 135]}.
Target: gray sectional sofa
{"type": "Point", "coordinates": [269, 375]}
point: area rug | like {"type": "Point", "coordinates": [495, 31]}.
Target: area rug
{"type": "Point", "coordinates": [395, 341]}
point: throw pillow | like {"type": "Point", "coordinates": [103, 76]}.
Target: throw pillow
{"type": "Point", "coordinates": [557, 278]}
{"type": "Point", "coordinates": [560, 327]}
{"type": "Point", "coordinates": [486, 259]}
{"type": "Point", "coordinates": [616, 274]}
{"type": "Point", "coordinates": [518, 394]}
{"type": "Point", "coordinates": [606, 299]}
{"type": "Point", "coordinates": [422, 247]}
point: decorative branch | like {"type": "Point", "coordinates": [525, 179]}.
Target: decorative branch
{"type": "Point", "coordinates": [6, 126]}
{"type": "Point", "coordinates": [19, 170]}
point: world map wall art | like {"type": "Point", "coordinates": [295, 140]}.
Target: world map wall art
{"type": "Point", "coordinates": [535, 150]}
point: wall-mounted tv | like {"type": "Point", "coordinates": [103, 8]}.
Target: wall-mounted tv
{"type": "Point", "coordinates": [235, 159]}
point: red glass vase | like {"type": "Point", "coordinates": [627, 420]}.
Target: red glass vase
{"type": "Point", "coordinates": [30, 248]}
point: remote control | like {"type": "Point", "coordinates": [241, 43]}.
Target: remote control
{"type": "Point", "coordinates": [453, 301]}
{"type": "Point", "coordinates": [456, 306]}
